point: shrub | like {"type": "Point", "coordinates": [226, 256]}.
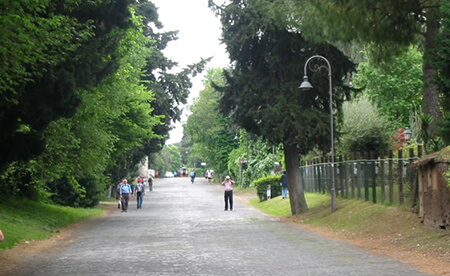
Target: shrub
{"type": "Point", "coordinates": [364, 128]}
{"type": "Point", "coordinates": [262, 183]}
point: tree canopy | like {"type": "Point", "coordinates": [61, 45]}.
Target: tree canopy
{"type": "Point", "coordinates": [90, 103]}
{"type": "Point", "coordinates": [395, 85]}
{"type": "Point", "coordinates": [208, 129]}
{"type": "Point", "coordinates": [49, 50]}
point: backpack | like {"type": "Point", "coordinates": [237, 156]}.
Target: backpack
{"type": "Point", "coordinates": [192, 174]}
{"type": "Point", "coordinates": [139, 188]}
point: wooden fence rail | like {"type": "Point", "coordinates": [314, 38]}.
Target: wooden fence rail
{"type": "Point", "coordinates": [374, 177]}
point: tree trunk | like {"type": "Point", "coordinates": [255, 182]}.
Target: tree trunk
{"type": "Point", "coordinates": [430, 86]}
{"type": "Point", "coordinates": [295, 185]}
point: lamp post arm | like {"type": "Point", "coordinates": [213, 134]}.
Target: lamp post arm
{"type": "Point", "coordinates": [320, 57]}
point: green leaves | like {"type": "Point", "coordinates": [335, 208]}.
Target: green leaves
{"type": "Point", "coordinates": [261, 92]}
{"type": "Point", "coordinates": [394, 86]}
{"type": "Point", "coordinates": [207, 128]}
{"type": "Point", "coordinates": [364, 128]}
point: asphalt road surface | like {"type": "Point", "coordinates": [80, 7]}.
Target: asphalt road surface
{"type": "Point", "coordinates": [182, 229]}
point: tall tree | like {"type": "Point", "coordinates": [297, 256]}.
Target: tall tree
{"type": "Point", "coordinates": [442, 62]}
{"type": "Point", "coordinates": [48, 50]}
{"type": "Point", "coordinates": [171, 89]}
{"type": "Point", "coordinates": [262, 95]}
{"type": "Point", "coordinates": [208, 129]}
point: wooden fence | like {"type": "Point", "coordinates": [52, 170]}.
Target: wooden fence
{"type": "Point", "coordinates": [379, 178]}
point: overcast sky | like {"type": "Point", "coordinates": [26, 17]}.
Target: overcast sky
{"type": "Point", "coordinates": [198, 37]}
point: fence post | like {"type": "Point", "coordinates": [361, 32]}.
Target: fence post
{"type": "Point", "coordinates": [382, 182]}
{"type": "Point", "coordinates": [347, 175]}
{"type": "Point", "coordinates": [366, 174]}
{"type": "Point", "coordinates": [316, 176]}
{"type": "Point", "coordinates": [374, 176]}
{"type": "Point", "coordinates": [401, 194]}
{"type": "Point", "coordinates": [359, 175]}
{"type": "Point", "coordinates": [319, 175]}
{"type": "Point", "coordinates": [352, 174]}
{"type": "Point", "coordinates": [391, 177]}
{"type": "Point", "coordinates": [341, 176]}
{"type": "Point", "coordinates": [413, 180]}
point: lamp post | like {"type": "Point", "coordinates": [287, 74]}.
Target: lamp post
{"type": "Point", "coordinates": [408, 135]}
{"type": "Point", "coordinates": [307, 85]}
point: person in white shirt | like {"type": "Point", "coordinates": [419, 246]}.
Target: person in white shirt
{"type": "Point", "coordinates": [209, 174]}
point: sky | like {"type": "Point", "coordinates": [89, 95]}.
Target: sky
{"type": "Point", "coordinates": [198, 37]}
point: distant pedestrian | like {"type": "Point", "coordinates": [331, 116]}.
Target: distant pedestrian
{"type": "Point", "coordinates": [269, 192]}
{"type": "Point", "coordinates": [192, 176]}
{"type": "Point", "coordinates": [284, 185]}
{"type": "Point", "coordinates": [209, 175]}
{"type": "Point", "coordinates": [228, 195]}
{"type": "Point", "coordinates": [125, 192]}
{"type": "Point", "coordinates": [150, 183]}
{"type": "Point", "coordinates": [2, 237]}
{"type": "Point", "coordinates": [118, 194]}
{"type": "Point", "coordinates": [140, 193]}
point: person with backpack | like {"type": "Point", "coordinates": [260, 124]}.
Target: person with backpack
{"type": "Point", "coordinates": [140, 192]}
{"type": "Point", "coordinates": [125, 192]}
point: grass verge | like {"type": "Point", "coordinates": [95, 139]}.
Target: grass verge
{"type": "Point", "coordinates": [372, 225]}
{"type": "Point", "coordinates": [24, 220]}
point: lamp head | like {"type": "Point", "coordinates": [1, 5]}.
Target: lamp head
{"type": "Point", "coordinates": [305, 84]}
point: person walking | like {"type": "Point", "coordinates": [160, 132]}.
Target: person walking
{"type": "Point", "coordinates": [192, 176]}
{"type": "Point", "coordinates": [209, 175]}
{"type": "Point", "coordinates": [150, 183]}
{"type": "Point", "coordinates": [228, 195]}
{"type": "Point", "coordinates": [140, 193]}
{"type": "Point", "coordinates": [284, 185]}
{"type": "Point", "coordinates": [118, 194]}
{"type": "Point", "coordinates": [125, 191]}
{"type": "Point", "coordinates": [269, 192]}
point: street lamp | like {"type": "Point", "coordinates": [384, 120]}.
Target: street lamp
{"type": "Point", "coordinates": [307, 85]}
{"type": "Point", "coordinates": [408, 135]}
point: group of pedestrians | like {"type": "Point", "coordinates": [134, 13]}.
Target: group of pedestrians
{"type": "Point", "coordinates": [125, 191]}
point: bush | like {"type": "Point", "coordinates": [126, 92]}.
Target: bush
{"type": "Point", "coordinates": [364, 128]}
{"type": "Point", "coordinates": [262, 183]}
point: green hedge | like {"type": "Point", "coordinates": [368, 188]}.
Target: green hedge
{"type": "Point", "coordinates": [262, 183]}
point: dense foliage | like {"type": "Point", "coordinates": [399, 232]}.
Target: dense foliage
{"type": "Point", "coordinates": [262, 184]}
{"type": "Point", "coordinates": [82, 111]}
{"type": "Point", "coordinates": [208, 129]}
{"type": "Point", "coordinates": [49, 50]}
{"type": "Point", "coordinates": [364, 128]}
{"type": "Point", "coordinates": [394, 86]}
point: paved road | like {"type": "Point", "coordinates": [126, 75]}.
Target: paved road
{"type": "Point", "coordinates": [182, 229]}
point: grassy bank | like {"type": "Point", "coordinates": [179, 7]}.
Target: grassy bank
{"type": "Point", "coordinates": [374, 224]}
{"type": "Point", "coordinates": [25, 220]}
